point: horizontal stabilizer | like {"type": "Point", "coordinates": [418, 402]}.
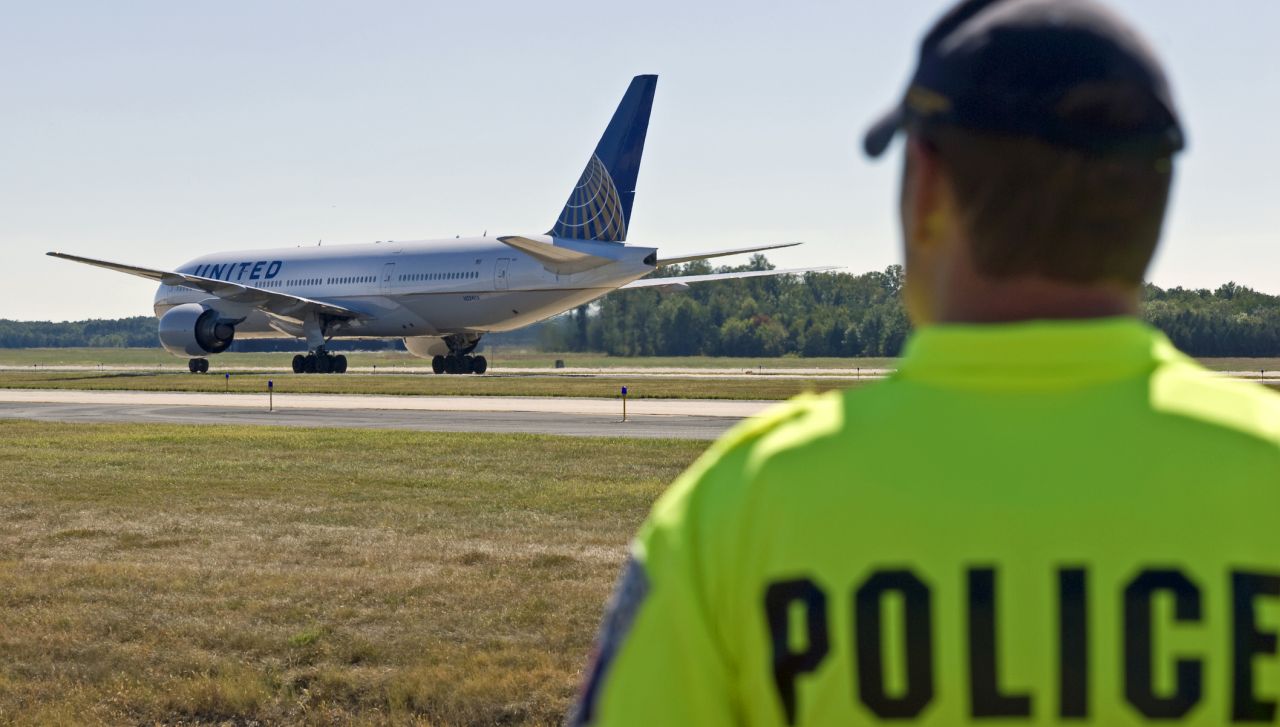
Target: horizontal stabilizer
{"type": "Point", "coordinates": [722, 253]}
{"type": "Point", "coordinates": [683, 282]}
{"type": "Point", "coordinates": [284, 305]}
{"type": "Point", "coordinates": [557, 259]}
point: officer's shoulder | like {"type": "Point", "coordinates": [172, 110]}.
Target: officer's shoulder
{"type": "Point", "coordinates": [1184, 389]}
{"type": "Point", "coordinates": [801, 424]}
{"type": "Point", "coordinates": [721, 479]}
{"type": "Point", "coordinates": [795, 423]}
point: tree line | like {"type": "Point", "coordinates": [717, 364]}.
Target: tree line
{"type": "Point", "coordinates": [818, 314]}
{"type": "Point", "coordinates": [842, 314]}
{"type": "Point", "coordinates": [136, 332]}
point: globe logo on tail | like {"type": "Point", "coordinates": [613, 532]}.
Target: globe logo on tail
{"type": "Point", "coordinates": [594, 209]}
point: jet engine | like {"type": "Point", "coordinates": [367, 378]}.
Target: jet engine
{"type": "Point", "coordinates": [192, 329]}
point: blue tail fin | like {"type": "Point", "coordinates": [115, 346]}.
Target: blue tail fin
{"type": "Point", "coordinates": [599, 207]}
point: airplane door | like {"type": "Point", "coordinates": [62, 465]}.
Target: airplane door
{"type": "Point", "coordinates": [388, 273]}
{"type": "Point", "coordinates": [500, 273]}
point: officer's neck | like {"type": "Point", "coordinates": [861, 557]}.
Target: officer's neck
{"type": "Point", "coordinates": [970, 297]}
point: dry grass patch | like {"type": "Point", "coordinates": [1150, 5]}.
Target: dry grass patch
{"type": "Point", "coordinates": [210, 574]}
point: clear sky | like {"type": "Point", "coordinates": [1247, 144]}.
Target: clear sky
{"type": "Point", "coordinates": [151, 132]}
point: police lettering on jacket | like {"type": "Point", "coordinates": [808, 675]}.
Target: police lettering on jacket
{"type": "Point", "coordinates": [800, 606]}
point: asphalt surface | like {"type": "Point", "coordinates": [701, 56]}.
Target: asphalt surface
{"type": "Point", "coordinates": [648, 372]}
{"type": "Point", "coordinates": [651, 418]}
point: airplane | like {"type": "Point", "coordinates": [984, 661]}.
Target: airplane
{"type": "Point", "coordinates": [440, 296]}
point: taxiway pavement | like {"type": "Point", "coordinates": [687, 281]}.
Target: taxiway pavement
{"type": "Point", "coordinates": [657, 418]}
{"type": "Point", "coordinates": [850, 374]}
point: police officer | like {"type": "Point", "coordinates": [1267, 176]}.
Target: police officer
{"type": "Point", "coordinates": [1048, 514]}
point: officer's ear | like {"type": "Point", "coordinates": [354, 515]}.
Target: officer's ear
{"type": "Point", "coordinates": [926, 207]}
{"type": "Point", "coordinates": [925, 202]}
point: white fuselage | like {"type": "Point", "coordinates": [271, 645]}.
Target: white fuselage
{"type": "Point", "coordinates": [440, 296]}
{"type": "Point", "coordinates": [420, 288]}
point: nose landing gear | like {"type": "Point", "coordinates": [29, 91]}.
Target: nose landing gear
{"type": "Point", "coordinates": [198, 365]}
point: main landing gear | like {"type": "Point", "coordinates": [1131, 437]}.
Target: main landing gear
{"type": "Point", "coordinates": [319, 362]}
{"type": "Point", "coordinates": [460, 360]}
{"type": "Point", "coordinates": [198, 365]}
{"type": "Point", "coordinates": [452, 364]}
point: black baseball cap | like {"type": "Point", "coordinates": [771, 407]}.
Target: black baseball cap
{"type": "Point", "coordinates": [1067, 72]}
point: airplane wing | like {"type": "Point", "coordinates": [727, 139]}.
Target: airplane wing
{"type": "Point", "coordinates": [721, 253]}
{"type": "Point", "coordinates": [684, 282]}
{"type": "Point", "coordinates": [557, 259]}
{"type": "Point", "coordinates": [284, 305]}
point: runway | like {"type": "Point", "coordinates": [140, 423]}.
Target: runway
{"type": "Point", "coordinates": [650, 418]}
{"type": "Point", "coordinates": [647, 372]}
{"type": "Point", "coordinates": [612, 372]}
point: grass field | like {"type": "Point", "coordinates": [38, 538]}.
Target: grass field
{"type": "Point", "coordinates": [413, 381]}
{"type": "Point", "coordinates": [514, 358]}
{"type": "Point", "coordinates": [754, 388]}
{"type": "Point", "coordinates": [159, 574]}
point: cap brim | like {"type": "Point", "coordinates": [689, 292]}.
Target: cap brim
{"type": "Point", "coordinates": [881, 133]}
